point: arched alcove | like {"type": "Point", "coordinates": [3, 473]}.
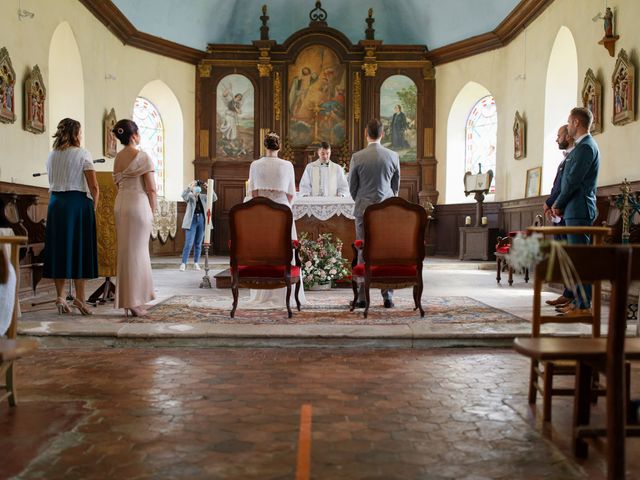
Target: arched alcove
{"type": "Point", "coordinates": [455, 164]}
{"type": "Point", "coordinates": [166, 103]}
{"type": "Point", "coordinates": [66, 82]}
{"type": "Point", "coordinates": [561, 94]}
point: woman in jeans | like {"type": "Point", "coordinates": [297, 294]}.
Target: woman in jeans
{"type": "Point", "coordinates": [194, 222]}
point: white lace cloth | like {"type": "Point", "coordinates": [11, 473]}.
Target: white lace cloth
{"type": "Point", "coordinates": [322, 208]}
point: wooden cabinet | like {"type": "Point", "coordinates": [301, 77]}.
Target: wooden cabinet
{"type": "Point", "coordinates": [477, 243]}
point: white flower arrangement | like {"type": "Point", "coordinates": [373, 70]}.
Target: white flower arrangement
{"type": "Point", "coordinates": [525, 251]}
{"type": "Point", "coordinates": [321, 259]}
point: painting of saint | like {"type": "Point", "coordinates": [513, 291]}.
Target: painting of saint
{"type": "Point", "coordinates": [235, 117]}
{"type": "Point", "coordinates": [623, 84]}
{"type": "Point", "coordinates": [592, 99]}
{"type": "Point", "coordinates": [316, 98]}
{"type": "Point", "coordinates": [519, 136]}
{"type": "Point", "coordinates": [398, 105]}
{"type": "Point", "coordinates": [35, 95]}
{"type": "Point", "coordinates": [7, 88]}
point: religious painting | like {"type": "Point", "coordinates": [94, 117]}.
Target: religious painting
{"type": "Point", "coordinates": [34, 98]}
{"type": "Point", "coordinates": [532, 186]}
{"type": "Point", "coordinates": [317, 97]}
{"type": "Point", "coordinates": [519, 137]}
{"type": "Point", "coordinates": [235, 117]}
{"type": "Point", "coordinates": [623, 84]}
{"type": "Point", "coordinates": [592, 99]}
{"type": "Point", "coordinates": [110, 147]}
{"type": "Point", "coordinates": [398, 105]}
{"type": "Point", "coordinates": [7, 88]}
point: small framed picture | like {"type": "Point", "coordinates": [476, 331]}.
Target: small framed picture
{"type": "Point", "coordinates": [532, 187]}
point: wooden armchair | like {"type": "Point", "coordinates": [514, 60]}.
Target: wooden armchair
{"type": "Point", "coordinates": [393, 249]}
{"type": "Point", "coordinates": [619, 265]}
{"type": "Point", "coordinates": [10, 348]}
{"type": "Point", "coordinates": [546, 371]}
{"type": "Point", "coordinates": [261, 249]}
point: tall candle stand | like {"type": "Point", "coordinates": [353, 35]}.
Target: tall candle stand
{"type": "Point", "coordinates": [206, 280]}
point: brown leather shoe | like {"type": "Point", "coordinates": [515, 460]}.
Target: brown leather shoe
{"type": "Point", "coordinates": [563, 310]}
{"type": "Point", "coordinates": [578, 312]}
{"type": "Point", "coordinates": [561, 300]}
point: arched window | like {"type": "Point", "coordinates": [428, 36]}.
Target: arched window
{"type": "Point", "coordinates": [151, 130]}
{"type": "Point", "coordinates": [481, 137]}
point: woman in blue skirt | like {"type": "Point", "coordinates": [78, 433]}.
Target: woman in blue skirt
{"type": "Point", "coordinates": [70, 244]}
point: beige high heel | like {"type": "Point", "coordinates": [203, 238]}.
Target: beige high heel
{"type": "Point", "coordinates": [62, 305]}
{"type": "Point", "coordinates": [82, 307]}
{"type": "Point", "coordinates": [135, 312]}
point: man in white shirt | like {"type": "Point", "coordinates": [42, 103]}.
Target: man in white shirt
{"type": "Point", "coordinates": [323, 178]}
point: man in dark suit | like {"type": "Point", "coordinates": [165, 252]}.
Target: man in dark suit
{"type": "Point", "coordinates": [374, 176]}
{"type": "Point", "coordinates": [565, 143]}
{"type": "Point", "coordinates": [577, 199]}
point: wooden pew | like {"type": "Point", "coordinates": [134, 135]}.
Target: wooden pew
{"type": "Point", "coordinates": [620, 265]}
{"type": "Point", "coordinates": [12, 349]}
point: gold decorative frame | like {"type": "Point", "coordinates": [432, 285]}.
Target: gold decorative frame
{"type": "Point", "coordinates": [35, 95]}
{"type": "Point", "coordinates": [110, 142]}
{"type": "Point", "coordinates": [7, 88]}
{"type": "Point", "coordinates": [533, 182]}
{"type": "Point", "coordinates": [519, 137]}
{"type": "Point", "coordinates": [592, 99]}
{"type": "Point", "coordinates": [624, 89]}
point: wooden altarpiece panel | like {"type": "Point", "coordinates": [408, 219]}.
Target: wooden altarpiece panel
{"type": "Point", "coordinates": [35, 95]}
{"type": "Point", "coordinates": [7, 88]}
{"type": "Point", "coordinates": [315, 86]}
{"type": "Point", "coordinates": [624, 88]}
{"type": "Point", "coordinates": [592, 99]}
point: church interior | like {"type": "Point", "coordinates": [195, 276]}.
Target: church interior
{"type": "Point", "coordinates": [470, 372]}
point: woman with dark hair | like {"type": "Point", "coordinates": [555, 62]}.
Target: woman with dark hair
{"type": "Point", "coordinates": [71, 249]}
{"type": "Point", "coordinates": [274, 178]}
{"type": "Point", "coordinates": [133, 173]}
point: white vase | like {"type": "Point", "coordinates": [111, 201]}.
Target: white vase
{"type": "Point", "coordinates": [320, 286]}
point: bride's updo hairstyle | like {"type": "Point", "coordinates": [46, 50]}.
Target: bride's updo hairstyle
{"type": "Point", "coordinates": [124, 130]}
{"type": "Point", "coordinates": [272, 141]}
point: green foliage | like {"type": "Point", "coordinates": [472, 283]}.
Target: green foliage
{"type": "Point", "coordinates": [408, 97]}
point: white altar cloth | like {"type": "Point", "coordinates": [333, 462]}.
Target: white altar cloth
{"type": "Point", "coordinates": [323, 208]}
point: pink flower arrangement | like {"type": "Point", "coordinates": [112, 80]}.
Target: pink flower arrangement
{"type": "Point", "coordinates": [322, 260]}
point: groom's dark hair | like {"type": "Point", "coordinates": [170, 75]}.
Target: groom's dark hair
{"type": "Point", "coordinates": [374, 129]}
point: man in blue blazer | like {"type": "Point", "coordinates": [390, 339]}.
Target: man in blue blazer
{"type": "Point", "coordinates": [576, 202]}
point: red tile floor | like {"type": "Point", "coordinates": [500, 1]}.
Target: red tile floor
{"type": "Point", "coordinates": [235, 414]}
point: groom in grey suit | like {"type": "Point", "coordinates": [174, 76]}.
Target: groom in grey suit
{"type": "Point", "coordinates": [374, 176]}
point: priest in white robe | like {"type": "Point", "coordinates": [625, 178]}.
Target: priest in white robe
{"type": "Point", "coordinates": [324, 178]}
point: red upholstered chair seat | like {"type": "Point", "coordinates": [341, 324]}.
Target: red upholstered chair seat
{"type": "Point", "coordinates": [502, 249]}
{"type": "Point", "coordinates": [266, 271]}
{"type": "Point", "coordinates": [381, 271]}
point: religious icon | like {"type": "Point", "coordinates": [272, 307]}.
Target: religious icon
{"type": "Point", "coordinates": [623, 84]}
{"type": "Point", "coordinates": [592, 99]}
{"type": "Point", "coordinates": [532, 187]}
{"type": "Point", "coordinates": [609, 39]}
{"type": "Point", "coordinates": [110, 140]}
{"type": "Point", "coordinates": [7, 88]}
{"type": "Point", "coordinates": [316, 97]}
{"type": "Point", "coordinates": [398, 105]}
{"type": "Point", "coordinates": [34, 99]}
{"type": "Point", "coordinates": [235, 112]}
{"type": "Point", "coordinates": [519, 137]}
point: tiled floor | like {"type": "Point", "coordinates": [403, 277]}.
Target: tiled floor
{"type": "Point", "coordinates": [235, 414]}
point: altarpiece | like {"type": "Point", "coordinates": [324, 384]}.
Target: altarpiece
{"type": "Point", "coordinates": [315, 86]}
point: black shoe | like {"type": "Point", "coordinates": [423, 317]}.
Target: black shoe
{"type": "Point", "coordinates": [358, 304]}
{"type": "Point", "coordinates": [388, 304]}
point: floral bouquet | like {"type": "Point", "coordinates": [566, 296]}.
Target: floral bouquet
{"type": "Point", "coordinates": [322, 260]}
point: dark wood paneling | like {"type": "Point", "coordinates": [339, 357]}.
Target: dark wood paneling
{"type": "Point", "coordinates": [341, 227]}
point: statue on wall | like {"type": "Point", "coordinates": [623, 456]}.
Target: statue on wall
{"type": "Point", "coordinates": [7, 88]}
{"type": "Point", "coordinates": [609, 39]}
{"type": "Point", "coordinates": [35, 95]}
{"type": "Point", "coordinates": [592, 99]}
{"type": "Point", "coordinates": [623, 84]}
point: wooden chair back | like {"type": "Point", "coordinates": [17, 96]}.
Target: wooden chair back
{"type": "Point", "coordinates": [394, 232]}
{"type": "Point", "coordinates": [14, 242]}
{"type": "Point", "coordinates": [260, 233]}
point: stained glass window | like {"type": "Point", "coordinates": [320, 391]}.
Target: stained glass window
{"type": "Point", "coordinates": [481, 137]}
{"type": "Point", "coordinates": [151, 130]}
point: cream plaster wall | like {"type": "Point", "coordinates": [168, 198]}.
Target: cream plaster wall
{"type": "Point", "coordinates": [102, 55]}
{"type": "Point", "coordinates": [516, 76]}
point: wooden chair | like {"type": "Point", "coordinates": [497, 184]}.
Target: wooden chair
{"type": "Point", "coordinates": [546, 371]}
{"type": "Point", "coordinates": [502, 251]}
{"type": "Point", "coordinates": [619, 265]}
{"type": "Point", "coordinates": [393, 250]}
{"type": "Point", "coordinates": [10, 348]}
{"type": "Point", "coordinates": [261, 249]}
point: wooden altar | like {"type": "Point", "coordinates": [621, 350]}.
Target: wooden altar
{"type": "Point", "coordinates": [316, 85]}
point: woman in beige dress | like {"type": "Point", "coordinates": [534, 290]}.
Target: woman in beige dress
{"type": "Point", "coordinates": [133, 173]}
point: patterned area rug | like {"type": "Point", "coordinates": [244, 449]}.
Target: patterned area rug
{"type": "Point", "coordinates": [327, 310]}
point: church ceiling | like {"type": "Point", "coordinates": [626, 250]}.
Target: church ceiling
{"type": "Point", "coordinates": [434, 23]}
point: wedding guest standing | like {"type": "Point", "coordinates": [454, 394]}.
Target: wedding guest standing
{"type": "Point", "coordinates": [71, 250]}
{"type": "Point", "coordinates": [133, 173]}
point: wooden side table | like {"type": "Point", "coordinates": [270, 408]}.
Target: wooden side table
{"type": "Point", "coordinates": [477, 243]}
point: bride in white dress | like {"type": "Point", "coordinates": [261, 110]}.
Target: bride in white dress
{"type": "Point", "coordinates": [273, 178]}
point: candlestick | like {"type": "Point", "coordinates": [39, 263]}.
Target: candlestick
{"type": "Point", "coordinates": [467, 220]}
{"type": "Point", "coordinates": [485, 221]}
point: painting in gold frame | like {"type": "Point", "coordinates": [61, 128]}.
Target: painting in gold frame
{"type": "Point", "coordinates": [532, 186]}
